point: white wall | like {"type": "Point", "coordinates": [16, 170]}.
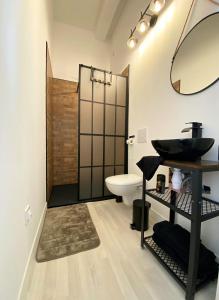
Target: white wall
{"type": "Point", "coordinates": [24, 29]}
{"type": "Point", "coordinates": [153, 102]}
{"type": "Point", "coordinates": [74, 46]}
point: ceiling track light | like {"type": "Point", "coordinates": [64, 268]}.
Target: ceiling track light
{"type": "Point", "coordinates": [143, 23]}
{"type": "Point", "coordinates": [132, 41]}
{"type": "Point", "coordinates": [146, 21]}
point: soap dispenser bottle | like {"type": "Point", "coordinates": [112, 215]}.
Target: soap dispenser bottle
{"type": "Point", "coordinates": [176, 180]}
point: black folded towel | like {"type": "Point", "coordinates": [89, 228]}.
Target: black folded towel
{"type": "Point", "coordinates": [210, 273]}
{"type": "Point", "coordinates": [179, 239]}
{"type": "Point", "coordinates": [170, 251]}
{"type": "Point", "coordinates": [149, 165]}
{"type": "Point", "coordinates": [176, 240]}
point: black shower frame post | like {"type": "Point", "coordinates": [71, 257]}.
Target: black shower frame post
{"type": "Point", "coordinates": [115, 129]}
{"type": "Point", "coordinates": [126, 125]}
{"type": "Point", "coordinates": [104, 132]}
{"type": "Point", "coordinates": [79, 129]}
{"type": "Point", "coordinates": [92, 139]}
{"type": "Point", "coordinates": [192, 284]}
{"type": "Point", "coordinates": [46, 110]}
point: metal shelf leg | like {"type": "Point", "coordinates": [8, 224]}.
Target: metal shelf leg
{"type": "Point", "coordinates": [173, 202]}
{"type": "Point", "coordinates": [142, 212]}
{"type": "Point", "coordinates": [195, 234]}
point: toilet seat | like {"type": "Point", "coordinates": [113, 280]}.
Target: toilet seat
{"type": "Point", "coordinates": [125, 179]}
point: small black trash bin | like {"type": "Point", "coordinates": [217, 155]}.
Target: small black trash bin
{"type": "Point", "coordinates": [137, 209]}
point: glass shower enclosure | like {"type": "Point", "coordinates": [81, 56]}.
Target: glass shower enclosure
{"type": "Point", "coordinates": [103, 128]}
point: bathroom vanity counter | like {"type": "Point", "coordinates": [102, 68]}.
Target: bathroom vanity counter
{"type": "Point", "coordinates": [192, 206]}
{"type": "Point", "coordinates": [202, 165]}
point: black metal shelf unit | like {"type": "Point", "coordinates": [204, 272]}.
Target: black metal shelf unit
{"type": "Point", "coordinates": [195, 208]}
{"type": "Point", "coordinates": [182, 204]}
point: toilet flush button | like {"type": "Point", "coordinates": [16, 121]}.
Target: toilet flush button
{"type": "Point", "coordinates": [142, 135]}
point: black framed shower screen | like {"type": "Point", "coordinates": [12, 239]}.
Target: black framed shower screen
{"type": "Point", "coordinates": [102, 131]}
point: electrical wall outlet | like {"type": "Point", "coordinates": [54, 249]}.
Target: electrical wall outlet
{"type": "Point", "coordinates": [206, 189]}
{"type": "Point", "coordinates": [27, 215]}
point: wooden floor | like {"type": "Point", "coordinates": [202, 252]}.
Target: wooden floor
{"type": "Point", "coordinates": [117, 270]}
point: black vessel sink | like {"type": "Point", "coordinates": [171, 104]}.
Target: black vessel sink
{"type": "Point", "coordinates": [183, 149]}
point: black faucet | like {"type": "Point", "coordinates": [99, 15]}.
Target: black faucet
{"type": "Point", "coordinates": [196, 129]}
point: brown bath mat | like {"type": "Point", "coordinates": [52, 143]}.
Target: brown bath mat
{"type": "Point", "coordinates": [67, 230]}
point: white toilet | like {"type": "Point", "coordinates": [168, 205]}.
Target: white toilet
{"type": "Point", "coordinates": [127, 185]}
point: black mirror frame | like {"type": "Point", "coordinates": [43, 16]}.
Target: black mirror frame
{"type": "Point", "coordinates": [217, 79]}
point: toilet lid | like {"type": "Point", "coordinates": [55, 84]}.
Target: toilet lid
{"type": "Point", "coordinates": [125, 179]}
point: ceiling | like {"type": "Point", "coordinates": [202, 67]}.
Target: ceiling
{"type": "Point", "coordinates": [80, 13]}
{"type": "Point", "coordinates": [99, 16]}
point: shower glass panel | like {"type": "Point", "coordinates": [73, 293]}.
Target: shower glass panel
{"type": "Point", "coordinates": [120, 120]}
{"type": "Point", "coordinates": [97, 151]}
{"type": "Point", "coordinates": [85, 117]}
{"type": "Point", "coordinates": [120, 151]}
{"type": "Point", "coordinates": [111, 90]}
{"type": "Point", "coordinates": [85, 183]}
{"type": "Point", "coordinates": [85, 153]}
{"type": "Point", "coordinates": [103, 127]}
{"type": "Point", "coordinates": [119, 170]}
{"type": "Point", "coordinates": [97, 182]}
{"type": "Point", "coordinates": [98, 118]}
{"type": "Point", "coordinates": [85, 84]}
{"type": "Point", "coordinates": [109, 151]}
{"type": "Point", "coordinates": [110, 119]}
{"type": "Point", "coordinates": [98, 88]}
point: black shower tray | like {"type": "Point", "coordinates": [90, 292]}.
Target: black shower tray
{"type": "Point", "coordinates": [176, 271]}
{"type": "Point", "coordinates": [183, 204]}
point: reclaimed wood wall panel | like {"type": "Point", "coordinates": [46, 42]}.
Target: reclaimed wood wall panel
{"type": "Point", "coordinates": [65, 132]}
{"type": "Point", "coordinates": [49, 126]}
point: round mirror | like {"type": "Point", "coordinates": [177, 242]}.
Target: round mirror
{"type": "Point", "coordinates": [195, 65]}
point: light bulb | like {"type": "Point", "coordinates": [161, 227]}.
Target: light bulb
{"type": "Point", "coordinates": [157, 5]}
{"type": "Point", "coordinates": [132, 42]}
{"type": "Point", "coordinates": [143, 25]}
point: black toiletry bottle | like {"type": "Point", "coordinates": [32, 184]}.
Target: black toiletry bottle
{"type": "Point", "coordinates": [160, 187]}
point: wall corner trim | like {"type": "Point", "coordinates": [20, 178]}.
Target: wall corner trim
{"type": "Point", "coordinates": [22, 295]}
